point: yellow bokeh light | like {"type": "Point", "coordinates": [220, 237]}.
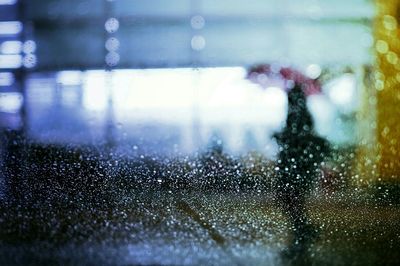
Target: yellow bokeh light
{"type": "Point", "coordinates": [389, 22]}
{"type": "Point", "coordinates": [392, 58]}
{"type": "Point", "coordinates": [382, 46]}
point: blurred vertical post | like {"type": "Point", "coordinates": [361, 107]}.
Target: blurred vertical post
{"type": "Point", "coordinates": [21, 72]}
{"type": "Point", "coordinates": [110, 63]}
{"type": "Point", "coordinates": [387, 85]}
{"type": "Point", "coordinates": [366, 128]}
{"type": "Point", "coordinates": [196, 46]}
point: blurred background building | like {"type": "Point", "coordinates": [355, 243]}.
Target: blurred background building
{"type": "Point", "coordinates": [165, 77]}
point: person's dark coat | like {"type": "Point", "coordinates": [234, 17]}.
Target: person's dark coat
{"type": "Point", "coordinates": [301, 151]}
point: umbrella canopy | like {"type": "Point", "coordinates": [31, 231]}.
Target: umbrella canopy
{"type": "Point", "coordinates": [284, 77]}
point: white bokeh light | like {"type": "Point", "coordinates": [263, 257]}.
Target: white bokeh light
{"type": "Point", "coordinates": [198, 43]}
{"type": "Point", "coordinates": [313, 71]}
{"type": "Point", "coordinates": [197, 22]}
{"type": "Point", "coordinates": [111, 25]}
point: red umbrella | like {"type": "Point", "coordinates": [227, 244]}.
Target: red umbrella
{"type": "Point", "coordinates": [284, 77]}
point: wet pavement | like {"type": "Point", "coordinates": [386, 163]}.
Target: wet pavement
{"type": "Point", "coordinates": [152, 228]}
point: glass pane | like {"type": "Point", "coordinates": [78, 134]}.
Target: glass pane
{"type": "Point", "coordinates": [199, 132]}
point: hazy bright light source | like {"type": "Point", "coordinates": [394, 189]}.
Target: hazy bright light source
{"type": "Point", "coordinates": [69, 78]}
{"type": "Point", "coordinates": [6, 79]}
{"type": "Point", "coordinates": [342, 90]}
{"type": "Point", "coordinates": [323, 113]}
{"type": "Point", "coordinates": [154, 88]}
{"type": "Point", "coordinates": [11, 47]}
{"type": "Point", "coordinates": [95, 91]}
{"type": "Point", "coordinates": [231, 90]}
{"type": "Point", "coordinates": [8, 2]}
{"type": "Point", "coordinates": [10, 61]}
{"type": "Point", "coordinates": [10, 27]}
{"type": "Point", "coordinates": [276, 101]}
{"type": "Point", "coordinates": [218, 95]}
{"type": "Point", "coordinates": [10, 102]}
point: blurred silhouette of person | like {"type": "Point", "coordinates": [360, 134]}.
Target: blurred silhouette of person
{"type": "Point", "coordinates": [301, 152]}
